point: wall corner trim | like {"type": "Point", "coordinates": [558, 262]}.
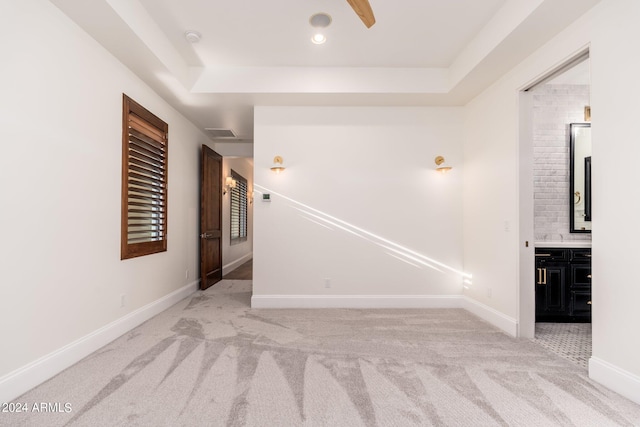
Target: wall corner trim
{"type": "Point", "coordinates": [615, 378]}
{"type": "Point", "coordinates": [356, 301]}
{"type": "Point", "coordinates": [23, 379]}
{"type": "Point", "coordinates": [506, 323]}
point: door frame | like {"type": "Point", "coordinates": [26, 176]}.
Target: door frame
{"type": "Point", "coordinates": [526, 239]}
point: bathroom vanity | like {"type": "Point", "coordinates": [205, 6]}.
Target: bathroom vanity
{"type": "Point", "coordinates": [563, 284]}
{"type": "Point", "coordinates": [563, 261]}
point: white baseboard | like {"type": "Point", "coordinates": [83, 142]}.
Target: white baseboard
{"type": "Point", "coordinates": [493, 316]}
{"type": "Point", "coordinates": [615, 378]}
{"type": "Point", "coordinates": [229, 267]}
{"type": "Point", "coordinates": [356, 301]}
{"type": "Point", "coordinates": [23, 379]}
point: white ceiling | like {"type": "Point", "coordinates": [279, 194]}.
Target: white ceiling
{"type": "Point", "coordinates": [258, 52]}
{"type": "Point", "coordinates": [408, 33]}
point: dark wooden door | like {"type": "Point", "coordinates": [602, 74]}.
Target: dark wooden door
{"type": "Point", "coordinates": [210, 218]}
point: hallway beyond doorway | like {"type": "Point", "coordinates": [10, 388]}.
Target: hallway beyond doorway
{"type": "Point", "coordinates": [244, 272]}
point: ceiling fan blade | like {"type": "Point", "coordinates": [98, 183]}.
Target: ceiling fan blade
{"type": "Point", "coordinates": [364, 11]}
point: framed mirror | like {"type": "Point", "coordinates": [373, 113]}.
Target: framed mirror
{"type": "Point", "coordinates": [580, 178]}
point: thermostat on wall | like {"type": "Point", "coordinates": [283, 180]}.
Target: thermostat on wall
{"type": "Point", "coordinates": [266, 197]}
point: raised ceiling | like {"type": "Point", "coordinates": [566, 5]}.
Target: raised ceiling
{"type": "Point", "coordinates": [424, 33]}
{"type": "Point", "coordinates": [257, 52]}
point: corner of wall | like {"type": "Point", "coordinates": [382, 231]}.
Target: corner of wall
{"type": "Point", "coordinates": [507, 324]}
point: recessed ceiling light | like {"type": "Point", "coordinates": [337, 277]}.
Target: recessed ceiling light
{"type": "Point", "coordinates": [320, 20]}
{"type": "Point", "coordinates": [192, 36]}
{"type": "Point", "coordinates": [318, 38]}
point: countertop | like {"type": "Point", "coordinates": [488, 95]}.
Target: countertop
{"type": "Point", "coordinates": [565, 244]}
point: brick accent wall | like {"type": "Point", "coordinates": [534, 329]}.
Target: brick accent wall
{"type": "Point", "coordinates": [554, 108]}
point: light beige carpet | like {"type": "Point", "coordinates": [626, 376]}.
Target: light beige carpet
{"type": "Point", "coordinates": [212, 361]}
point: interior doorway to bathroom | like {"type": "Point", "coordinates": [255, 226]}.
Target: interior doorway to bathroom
{"type": "Point", "coordinates": [555, 288]}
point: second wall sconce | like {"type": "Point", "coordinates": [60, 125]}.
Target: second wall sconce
{"type": "Point", "coordinates": [441, 166]}
{"type": "Point", "coordinates": [229, 184]}
{"type": "Point", "coordinates": [277, 164]}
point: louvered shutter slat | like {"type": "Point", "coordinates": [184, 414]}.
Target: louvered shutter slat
{"type": "Point", "coordinates": [144, 205]}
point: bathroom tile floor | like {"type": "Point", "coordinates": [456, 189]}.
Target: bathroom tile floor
{"type": "Point", "coordinates": [569, 340]}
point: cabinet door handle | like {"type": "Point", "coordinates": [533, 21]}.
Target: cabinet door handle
{"type": "Point", "coordinates": [544, 282]}
{"type": "Point", "coordinates": [543, 254]}
{"type": "Point", "coordinates": [589, 302]}
{"type": "Point", "coordinates": [588, 276]}
{"type": "Point", "coordinates": [539, 277]}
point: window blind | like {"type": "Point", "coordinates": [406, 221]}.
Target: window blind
{"type": "Point", "coordinates": [144, 212]}
{"type": "Point", "coordinates": [238, 208]}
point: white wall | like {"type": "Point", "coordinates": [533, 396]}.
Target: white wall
{"type": "Point", "coordinates": [233, 256]}
{"type": "Point", "coordinates": [491, 164]}
{"type": "Point", "coordinates": [60, 174]}
{"type": "Point", "coordinates": [616, 149]}
{"type": "Point", "coordinates": [359, 192]}
{"type": "Point", "coordinates": [490, 214]}
{"type": "Point", "coordinates": [491, 154]}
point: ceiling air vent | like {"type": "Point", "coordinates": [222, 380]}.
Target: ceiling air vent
{"type": "Point", "coordinates": [218, 133]}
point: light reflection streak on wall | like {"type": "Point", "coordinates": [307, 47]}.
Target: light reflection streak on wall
{"type": "Point", "coordinates": [404, 260]}
{"type": "Point", "coordinates": [412, 258]}
{"type": "Point", "coordinates": [319, 223]}
{"type": "Point", "coordinates": [408, 254]}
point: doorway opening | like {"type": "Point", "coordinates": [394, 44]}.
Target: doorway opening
{"type": "Point", "coordinates": [237, 216]}
{"type": "Point", "coordinates": [555, 279]}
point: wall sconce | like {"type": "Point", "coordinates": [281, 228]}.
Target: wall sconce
{"type": "Point", "coordinates": [277, 164]}
{"type": "Point", "coordinates": [229, 184]}
{"type": "Point", "coordinates": [441, 167]}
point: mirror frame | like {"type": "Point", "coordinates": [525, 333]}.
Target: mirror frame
{"type": "Point", "coordinates": [573, 128]}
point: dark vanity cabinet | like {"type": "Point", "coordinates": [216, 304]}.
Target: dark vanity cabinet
{"type": "Point", "coordinates": [563, 284]}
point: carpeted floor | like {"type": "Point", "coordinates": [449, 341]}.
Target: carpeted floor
{"type": "Point", "coordinates": [210, 360]}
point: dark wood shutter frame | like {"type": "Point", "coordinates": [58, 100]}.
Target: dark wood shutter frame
{"type": "Point", "coordinates": [144, 181]}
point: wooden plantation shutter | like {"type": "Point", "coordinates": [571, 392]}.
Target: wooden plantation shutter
{"type": "Point", "coordinates": [144, 181]}
{"type": "Point", "coordinates": [238, 209]}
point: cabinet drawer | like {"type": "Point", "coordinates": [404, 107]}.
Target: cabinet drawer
{"type": "Point", "coordinates": [551, 254]}
{"type": "Point", "coordinates": [581, 255]}
{"type": "Point", "coordinates": [581, 275]}
{"type": "Point", "coordinates": [580, 303]}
